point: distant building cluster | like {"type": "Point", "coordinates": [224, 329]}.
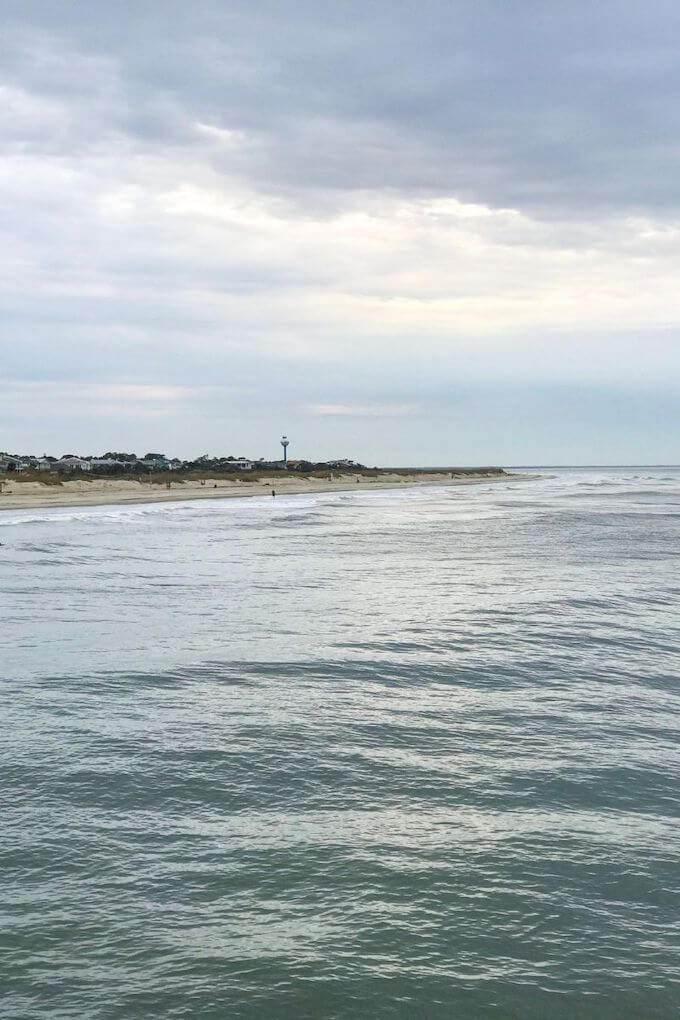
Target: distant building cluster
{"type": "Point", "coordinates": [129, 463]}
{"type": "Point", "coordinates": [69, 463]}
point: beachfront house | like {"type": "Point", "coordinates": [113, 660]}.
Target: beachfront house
{"type": "Point", "coordinates": [106, 464]}
{"type": "Point", "coordinates": [9, 463]}
{"type": "Point", "coordinates": [155, 461]}
{"type": "Point", "coordinates": [70, 463]}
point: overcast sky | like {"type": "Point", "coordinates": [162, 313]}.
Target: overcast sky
{"type": "Point", "coordinates": [409, 233]}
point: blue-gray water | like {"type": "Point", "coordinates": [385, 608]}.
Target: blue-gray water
{"type": "Point", "coordinates": [392, 754]}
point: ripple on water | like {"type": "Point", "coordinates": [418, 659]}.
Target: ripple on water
{"type": "Point", "coordinates": [389, 755]}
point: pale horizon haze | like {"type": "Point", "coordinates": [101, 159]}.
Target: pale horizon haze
{"type": "Point", "coordinates": [423, 234]}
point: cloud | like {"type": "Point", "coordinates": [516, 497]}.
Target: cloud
{"type": "Point", "coordinates": [96, 398]}
{"type": "Point", "coordinates": [535, 108]}
{"type": "Point", "coordinates": [288, 210]}
{"type": "Point", "coordinates": [363, 410]}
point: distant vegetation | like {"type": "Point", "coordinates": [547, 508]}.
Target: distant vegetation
{"type": "Point", "coordinates": [157, 468]}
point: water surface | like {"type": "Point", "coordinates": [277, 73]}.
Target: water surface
{"type": "Point", "coordinates": [374, 754]}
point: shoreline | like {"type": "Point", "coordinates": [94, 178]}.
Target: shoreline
{"type": "Point", "coordinates": [114, 492]}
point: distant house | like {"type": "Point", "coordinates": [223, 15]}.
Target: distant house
{"type": "Point", "coordinates": [73, 464]}
{"type": "Point", "coordinates": [105, 463]}
{"type": "Point", "coordinates": [155, 461]}
{"type": "Point", "coordinates": [241, 465]}
{"type": "Point", "coordinates": [343, 463]}
{"type": "Point", "coordinates": [44, 464]}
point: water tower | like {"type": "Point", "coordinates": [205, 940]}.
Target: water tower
{"type": "Point", "coordinates": [284, 444]}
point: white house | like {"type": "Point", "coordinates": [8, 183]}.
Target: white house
{"type": "Point", "coordinates": [73, 464]}
{"type": "Point", "coordinates": [105, 462]}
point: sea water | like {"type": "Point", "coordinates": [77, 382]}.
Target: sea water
{"type": "Point", "coordinates": [405, 753]}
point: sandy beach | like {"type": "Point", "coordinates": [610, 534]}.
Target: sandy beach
{"type": "Point", "coordinates": [19, 495]}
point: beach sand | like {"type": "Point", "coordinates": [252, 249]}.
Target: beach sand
{"type": "Point", "coordinates": [19, 495]}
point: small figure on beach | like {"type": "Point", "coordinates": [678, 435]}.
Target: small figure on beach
{"type": "Point", "coordinates": [273, 492]}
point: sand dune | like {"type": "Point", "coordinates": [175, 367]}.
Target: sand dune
{"type": "Point", "coordinates": [17, 494]}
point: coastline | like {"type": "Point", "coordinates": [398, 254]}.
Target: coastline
{"type": "Point", "coordinates": [107, 491]}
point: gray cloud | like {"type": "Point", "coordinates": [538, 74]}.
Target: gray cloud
{"type": "Point", "coordinates": [253, 217]}
{"type": "Point", "coordinates": [535, 105]}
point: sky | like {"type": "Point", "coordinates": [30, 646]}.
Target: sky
{"type": "Point", "coordinates": [407, 233]}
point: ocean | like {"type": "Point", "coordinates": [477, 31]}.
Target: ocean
{"type": "Point", "coordinates": [393, 754]}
